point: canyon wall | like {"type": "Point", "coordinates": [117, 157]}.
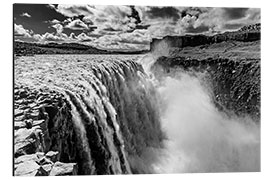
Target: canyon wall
{"type": "Point", "coordinates": [235, 85]}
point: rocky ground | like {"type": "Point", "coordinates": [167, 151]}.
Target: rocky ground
{"type": "Point", "coordinates": [38, 142]}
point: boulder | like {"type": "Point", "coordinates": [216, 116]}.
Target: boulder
{"type": "Point", "coordinates": [53, 156]}
{"type": "Point", "coordinates": [64, 169]}
{"type": "Point", "coordinates": [28, 157]}
{"type": "Point", "coordinates": [27, 168]}
{"type": "Point", "coordinates": [28, 141]}
{"type": "Point", "coordinates": [47, 168]}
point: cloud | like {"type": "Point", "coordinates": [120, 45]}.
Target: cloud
{"type": "Point", "coordinates": [137, 37]}
{"type": "Point", "coordinates": [102, 18]}
{"type": "Point", "coordinates": [134, 26]}
{"type": "Point", "coordinates": [19, 31]}
{"type": "Point", "coordinates": [234, 13]}
{"type": "Point", "coordinates": [163, 12]}
{"type": "Point", "coordinates": [49, 37]}
{"type": "Point", "coordinates": [72, 36]}
{"type": "Point", "coordinates": [58, 27]}
{"type": "Point", "coordinates": [25, 15]}
{"type": "Point", "coordinates": [77, 24]}
{"type": "Point", "coordinates": [84, 38]}
{"type": "Point", "coordinates": [54, 21]}
{"type": "Point", "coordinates": [69, 10]}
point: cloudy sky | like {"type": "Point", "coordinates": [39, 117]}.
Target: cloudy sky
{"type": "Point", "coordinates": [122, 27]}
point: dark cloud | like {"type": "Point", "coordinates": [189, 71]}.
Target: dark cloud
{"type": "Point", "coordinates": [41, 14]}
{"type": "Point", "coordinates": [110, 29]}
{"type": "Point", "coordinates": [141, 26]}
{"type": "Point", "coordinates": [192, 11]}
{"type": "Point", "coordinates": [123, 27]}
{"type": "Point", "coordinates": [135, 15]}
{"type": "Point", "coordinates": [235, 13]}
{"type": "Point", "coordinates": [163, 12]}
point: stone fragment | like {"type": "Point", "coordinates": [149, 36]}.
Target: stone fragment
{"type": "Point", "coordinates": [27, 168]}
{"type": "Point", "coordinates": [19, 124]}
{"type": "Point", "coordinates": [40, 123]}
{"type": "Point", "coordinates": [47, 168]}
{"type": "Point", "coordinates": [53, 156]}
{"type": "Point", "coordinates": [44, 160]}
{"type": "Point", "coordinates": [18, 112]}
{"type": "Point", "coordinates": [28, 157]}
{"type": "Point", "coordinates": [40, 154]}
{"type": "Point", "coordinates": [28, 123]}
{"type": "Point", "coordinates": [28, 141]}
{"type": "Point", "coordinates": [64, 169]}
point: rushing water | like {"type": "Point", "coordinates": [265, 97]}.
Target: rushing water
{"type": "Point", "coordinates": [117, 110]}
{"type": "Point", "coordinates": [200, 138]}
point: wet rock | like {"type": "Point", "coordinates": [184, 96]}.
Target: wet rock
{"type": "Point", "coordinates": [53, 156]}
{"type": "Point", "coordinates": [34, 115]}
{"type": "Point", "coordinates": [19, 118]}
{"type": "Point", "coordinates": [64, 169]}
{"type": "Point", "coordinates": [23, 94]}
{"type": "Point", "coordinates": [28, 157]}
{"type": "Point", "coordinates": [19, 124]}
{"type": "Point", "coordinates": [27, 168]}
{"type": "Point", "coordinates": [40, 123]}
{"type": "Point", "coordinates": [40, 154]}
{"type": "Point", "coordinates": [45, 160]}
{"type": "Point", "coordinates": [28, 141]}
{"type": "Point", "coordinates": [47, 168]}
{"type": "Point", "coordinates": [18, 112]}
{"type": "Point", "coordinates": [28, 123]}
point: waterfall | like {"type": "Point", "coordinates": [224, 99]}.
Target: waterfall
{"type": "Point", "coordinates": [130, 118]}
{"type": "Point", "coordinates": [112, 105]}
{"type": "Point", "coordinates": [200, 138]}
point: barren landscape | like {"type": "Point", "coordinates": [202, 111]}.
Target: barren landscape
{"type": "Point", "coordinates": [188, 104]}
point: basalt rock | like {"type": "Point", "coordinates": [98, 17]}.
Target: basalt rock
{"type": "Point", "coordinates": [235, 83]}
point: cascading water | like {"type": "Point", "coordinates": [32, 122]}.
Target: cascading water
{"type": "Point", "coordinates": [112, 105]}
{"type": "Point", "coordinates": [128, 121]}
{"type": "Point", "coordinates": [200, 138]}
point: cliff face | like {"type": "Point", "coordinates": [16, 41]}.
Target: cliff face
{"type": "Point", "coordinates": [97, 116]}
{"type": "Point", "coordinates": [245, 34]}
{"type": "Point", "coordinates": [235, 84]}
{"type": "Point", "coordinates": [43, 128]}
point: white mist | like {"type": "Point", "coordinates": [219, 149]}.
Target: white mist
{"type": "Point", "coordinates": [200, 138]}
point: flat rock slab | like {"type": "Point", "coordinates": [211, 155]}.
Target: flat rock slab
{"type": "Point", "coordinates": [64, 169]}
{"type": "Point", "coordinates": [27, 168]}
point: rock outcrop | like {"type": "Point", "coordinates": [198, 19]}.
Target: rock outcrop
{"type": "Point", "coordinates": [88, 116]}
{"type": "Point", "coordinates": [42, 124]}
{"type": "Point", "coordinates": [245, 34]}
{"type": "Point", "coordinates": [235, 83]}
{"type": "Point", "coordinates": [40, 164]}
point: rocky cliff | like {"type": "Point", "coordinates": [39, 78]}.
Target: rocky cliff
{"type": "Point", "coordinates": [235, 84]}
{"type": "Point", "coordinates": [245, 34]}
{"type": "Point", "coordinates": [82, 116]}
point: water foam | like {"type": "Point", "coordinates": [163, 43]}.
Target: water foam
{"type": "Point", "coordinates": [201, 138]}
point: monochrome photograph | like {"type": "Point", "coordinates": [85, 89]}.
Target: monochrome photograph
{"type": "Point", "coordinates": [135, 89]}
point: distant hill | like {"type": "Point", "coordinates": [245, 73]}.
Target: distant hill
{"type": "Point", "coordinates": [24, 48]}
